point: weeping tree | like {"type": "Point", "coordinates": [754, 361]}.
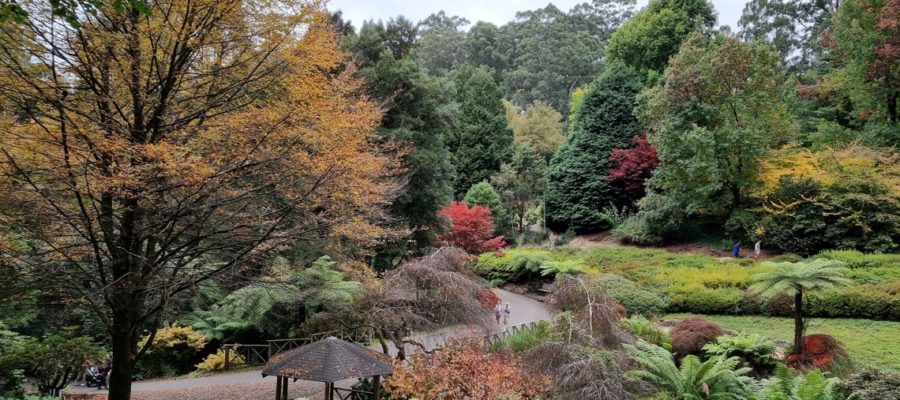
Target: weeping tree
{"type": "Point", "coordinates": [798, 278]}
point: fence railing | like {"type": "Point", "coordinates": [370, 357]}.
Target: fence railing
{"type": "Point", "coordinates": [259, 354]}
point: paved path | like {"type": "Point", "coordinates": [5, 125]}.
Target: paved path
{"type": "Point", "coordinates": [249, 385]}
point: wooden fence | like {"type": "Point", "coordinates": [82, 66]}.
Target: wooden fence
{"type": "Point", "coordinates": [259, 354]}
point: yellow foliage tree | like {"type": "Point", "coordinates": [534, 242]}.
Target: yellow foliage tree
{"type": "Point", "coordinates": [153, 152]}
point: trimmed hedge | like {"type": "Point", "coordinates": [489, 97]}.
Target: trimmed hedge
{"type": "Point", "coordinates": [635, 299]}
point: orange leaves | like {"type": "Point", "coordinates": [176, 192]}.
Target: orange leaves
{"type": "Point", "coordinates": [465, 372]}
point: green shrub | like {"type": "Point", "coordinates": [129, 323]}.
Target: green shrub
{"type": "Point", "coordinates": [856, 259]}
{"type": "Point", "coordinates": [755, 351]}
{"type": "Point", "coordinates": [562, 267]}
{"type": "Point", "coordinates": [53, 361]}
{"type": "Point", "coordinates": [872, 385]}
{"type": "Point", "coordinates": [645, 330]}
{"type": "Point", "coordinates": [627, 293]}
{"type": "Point", "coordinates": [525, 339]}
{"type": "Point", "coordinates": [513, 266]}
{"type": "Point", "coordinates": [703, 300]}
{"type": "Point", "coordinates": [565, 238]}
{"type": "Point", "coordinates": [881, 301]}
{"type": "Point", "coordinates": [786, 257]}
{"type": "Point", "coordinates": [11, 377]}
{"type": "Point", "coordinates": [788, 385]}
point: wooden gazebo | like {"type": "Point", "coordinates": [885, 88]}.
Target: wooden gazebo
{"type": "Point", "coordinates": [329, 360]}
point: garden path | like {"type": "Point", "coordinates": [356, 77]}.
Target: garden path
{"type": "Point", "coordinates": [249, 385]}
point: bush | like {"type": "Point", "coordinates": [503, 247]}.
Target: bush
{"type": "Point", "coordinates": [690, 335]}
{"type": "Point", "coordinates": [11, 377]}
{"type": "Point", "coordinates": [756, 352]}
{"type": "Point", "coordinates": [53, 361]}
{"type": "Point", "coordinates": [702, 300]}
{"type": "Point", "coordinates": [175, 350]}
{"type": "Point", "coordinates": [881, 301]}
{"type": "Point", "coordinates": [515, 265]}
{"type": "Point", "coordinates": [628, 294]}
{"type": "Point", "coordinates": [856, 259]}
{"type": "Point", "coordinates": [872, 385]}
{"type": "Point", "coordinates": [646, 331]}
{"type": "Point", "coordinates": [216, 362]}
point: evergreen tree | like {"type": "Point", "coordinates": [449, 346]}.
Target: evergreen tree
{"type": "Point", "coordinates": [577, 185]}
{"type": "Point", "coordinates": [521, 184]}
{"type": "Point", "coordinates": [483, 194]}
{"type": "Point", "coordinates": [481, 140]}
{"type": "Point", "coordinates": [417, 117]}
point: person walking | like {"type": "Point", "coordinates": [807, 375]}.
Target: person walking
{"type": "Point", "coordinates": [757, 249]}
{"type": "Point", "coordinates": [507, 310]}
{"type": "Point", "coordinates": [81, 378]}
{"type": "Point", "coordinates": [736, 250]}
{"type": "Point", "coordinates": [498, 312]}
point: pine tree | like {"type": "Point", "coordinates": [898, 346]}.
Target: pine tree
{"type": "Point", "coordinates": [481, 141]}
{"type": "Point", "coordinates": [483, 194]}
{"type": "Point", "coordinates": [577, 185]}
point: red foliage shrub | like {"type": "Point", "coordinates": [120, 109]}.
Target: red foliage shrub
{"type": "Point", "coordinates": [633, 167]}
{"type": "Point", "coordinates": [471, 228]}
{"type": "Point", "coordinates": [619, 309]}
{"type": "Point", "coordinates": [691, 334]}
{"type": "Point", "coordinates": [488, 298]}
{"type": "Point", "coordinates": [819, 352]}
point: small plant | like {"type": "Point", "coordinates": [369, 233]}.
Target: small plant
{"type": "Point", "coordinates": [788, 385]}
{"type": "Point", "coordinates": [690, 335]}
{"type": "Point", "coordinates": [716, 378]}
{"type": "Point", "coordinates": [755, 351]}
{"type": "Point", "coordinates": [641, 327]}
{"type": "Point", "coordinates": [524, 340]}
{"type": "Point", "coordinates": [216, 362]}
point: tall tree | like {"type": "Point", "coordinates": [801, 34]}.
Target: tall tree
{"type": "Point", "coordinates": [791, 26]}
{"type": "Point", "coordinates": [440, 42]}
{"type": "Point", "coordinates": [483, 194]}
{"type": "Point", "coordinates": [481, 140]}
{"type": "Point", "coordinates": [717, 114]}
{"type": "Point", "coordinates": [577, 185]}
{"type": "Point", "coordinates": [521, 184]}
{"type": "Point", "coordinates": [656, 32]}
{"type": "Point", "coordinates": [163, 151]}
{"type": "Point", "coordinates": [418, 117]}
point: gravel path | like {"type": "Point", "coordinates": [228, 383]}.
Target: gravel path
{"type": "Point", "coordinates": [250, 385]}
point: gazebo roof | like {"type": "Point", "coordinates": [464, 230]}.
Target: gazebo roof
{"type": "Point", "coordinates": [328, 360]}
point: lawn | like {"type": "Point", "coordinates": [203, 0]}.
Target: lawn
{"type": "Point", "coordinates": [870, 343]}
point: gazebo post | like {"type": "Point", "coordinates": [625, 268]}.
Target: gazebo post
{"type": "Point", "coordinates": [376, 387]}
{"type": "Point", "coordinates": [284, 388]}
{"type": "Point", "coordinates": [278, 388]}
{"type": "Point", "coordinates": [329, 391]}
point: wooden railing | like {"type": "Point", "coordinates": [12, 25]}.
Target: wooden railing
{"type": "Point", "coordinates": [259, 354]}
{"type": "Point", "coordinates": [352, 394]}
{"type": "Point", "coordinates": [489, 340]}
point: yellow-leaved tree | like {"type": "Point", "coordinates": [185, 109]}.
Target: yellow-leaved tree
{"type": "Point", "coordinates": [147, 152]}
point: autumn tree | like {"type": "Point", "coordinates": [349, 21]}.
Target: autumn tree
{"type": "Point", "coordinates": [537, 127]}
{"type": "Point", "coordinates": [633, 167]}
{"type": "Point", "coordinates": [160, 152]}
{"type": "Point", "coordinates": [471, 228]}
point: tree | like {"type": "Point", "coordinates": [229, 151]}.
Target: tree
{"type": "Point", "coordinates": [656, 32]}
{"type": "Point", "coordinates": [521, 184]}
{"type": "Point", "coordinates": [440, 45]}
{"type": "Point", "coordinates": [716, 116]}
{"type": "Point", "coordinates": [480, 141]}
{"type": "Point", "coordinates": [634, 167]}
{"type": "Point", "coordinates": [417, 117]}
{"type": "Point", "coordinates": [484, 47]}
{"type": "Point", "coordinates": [483, 194]}
{"type": "Point", "coordinates": [537, 127]}
{"type": "Point", "coordinates": [163, 151]}
{"type": "Point", "coordinates": [577, 185]}
{"type": "Point", "coordinates": [791, 26]}
{"type": "Point", "coordinates": [715, 378]}
{"type": "Point", "coordinates": [53, 361]}
{"type": "Point", "coordinates": [797, 278]}
{"type": "Point", "coordinates": [471, 229]}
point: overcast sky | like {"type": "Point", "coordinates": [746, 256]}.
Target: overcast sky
{"type": "Point", "coordinates": [497, 11]}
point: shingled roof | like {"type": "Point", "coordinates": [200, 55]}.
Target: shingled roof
{"type": "Point", "coordinates": [328, 360]}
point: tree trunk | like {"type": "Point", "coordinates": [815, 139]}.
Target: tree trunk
{"type": "Point", "coordinates": [798, 321]}
{"type": "Point", "coordinates": [124, 342]}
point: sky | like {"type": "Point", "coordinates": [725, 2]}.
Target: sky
{"type": "Point", "coordinates": [497, 11]}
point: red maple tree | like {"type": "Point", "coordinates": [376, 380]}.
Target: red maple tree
{"type": "Point", "coordinates": [633, 167]}
{"type": "Point", "coordinates": [471, 228]}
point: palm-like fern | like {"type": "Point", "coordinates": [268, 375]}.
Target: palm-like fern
{"type": "Point", "coordinates": [795, 278]}
{"type": "Point", "coordinates": [562, 267]}
{"type": "Point", "coordinates": [521, 264]}
{"type": "Point", "coordinates": [716, 378]}
{"type": "Point", "coordinates": [786, 385]}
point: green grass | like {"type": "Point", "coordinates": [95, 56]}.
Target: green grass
{"type": "Point", "coordinates": [870, 343]}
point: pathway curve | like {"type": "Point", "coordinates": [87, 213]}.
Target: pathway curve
{"type": "Point", "coordinates": [250, 385]}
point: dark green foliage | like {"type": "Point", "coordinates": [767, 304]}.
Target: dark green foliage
{"type": "Point", "coordinates": [644, 330]}
{"type": "Point", "coordinates": [521, 184]}
{"type": "Point", "coordinates": [755, 351]}
{"type": "Point", "coordinates": [577, 188]}
{"type": "Point", "coordinates": [483, 194]}
{"type": "Point", "coordinates": [53, 361]}
{"type": "Point", "coordinates": [656, 32]}
{"type": "Point", "coordinates": [788, 384]}
{"type": "Point", "coordinates": [11, 375]}
{"type": "Point", "coordinates": [418, 116]}
{"type": "Point", "coordinates": [481, 141]}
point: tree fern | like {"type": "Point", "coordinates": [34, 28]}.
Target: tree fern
{"type": "Point", "coordinates": [786, 385]}
{"type": "Point", "coordinates": [716, 378]}
{"type": "Point", "coordinates": [562, 267]}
